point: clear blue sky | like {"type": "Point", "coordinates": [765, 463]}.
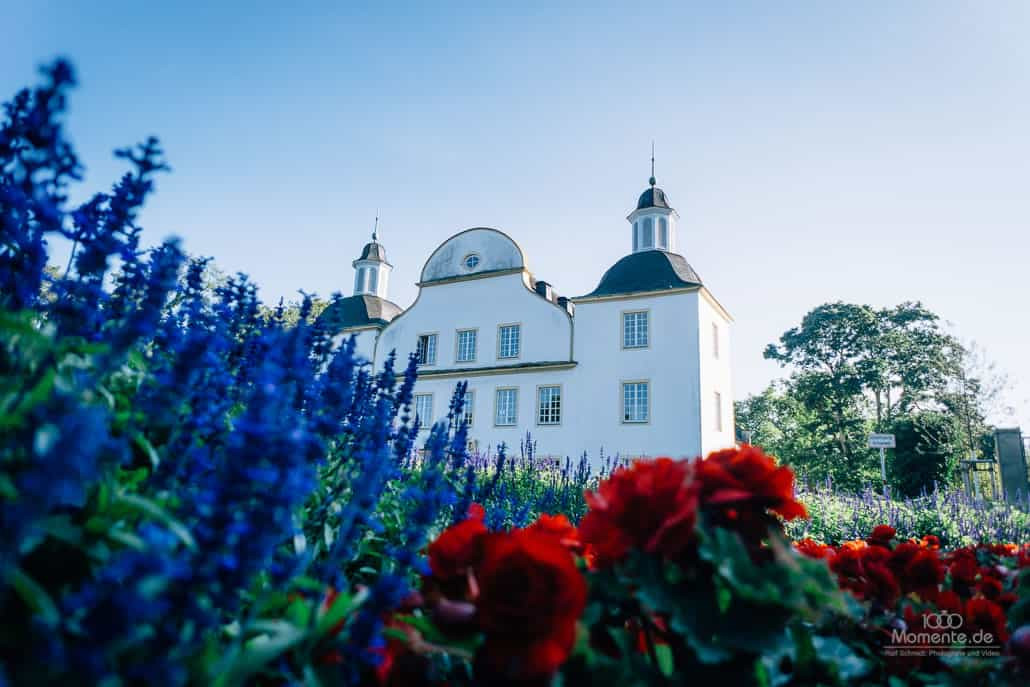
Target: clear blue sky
{"type": "Point", "coordinates": [871, 152]}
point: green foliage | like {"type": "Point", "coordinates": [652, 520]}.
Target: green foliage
{"type": "Point", "coordinates": [857, 369]}
{"type": "Point", "coordinates": [925, 453]}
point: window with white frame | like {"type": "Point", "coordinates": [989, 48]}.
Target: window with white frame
{"type": "Point", "coordinates": [506, 407]}
{"type": "Point", "coordinates": [636, 399]}
{"type": "Point", "coordinates": [466, 346]}
{"type": "Point", "coordinates": [468, 406]}
{"type": "Point", "coordinates": [648, 240]}
{"type": "Point", "coordinates": [424, 410]}
{"type": "Point", "coordinates": [636, 236]}
{"type": "Point", "coordinates": [509, 340]}
{"type": "Point", "coordinates": [425, 349]}
{"type": "Point", "coordinates": [718, 412]}
{"type": "Point", "coordinates": [548, 405]}
{"type": "Point", "coordinates": [663, 233]}
{"type": "Point", "coordinates": [634, 329]}
{"type": "Point", "coordinates": [373, 280]}
{"type": "Point", "coordinates": [715, 340]}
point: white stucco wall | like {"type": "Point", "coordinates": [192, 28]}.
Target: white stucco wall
{"type": "Point", "coordinates": [481, 304]}
{"type": "Point", "coordinates": [715, 376]}
{"type": "Point", "coordinates": [366, 341]}
{"type": "Point", "coordinates": [495, 250]}
{"type": "Point", "coordinates": [669, 363]}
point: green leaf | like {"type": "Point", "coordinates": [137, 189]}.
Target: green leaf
{"type": "Point", "coordinates": [155, 511]}
{"type": "Point", "coordinates": [144, 445]}
{"type": "Point", "coordinates": [341, 607]}
{"type": "Point", "coordinates": [35, 597]}
{"type": "Point", "coordinates": [666, 661]}
{"type": "Point", "coordinates": [278, 637]}
{"type": "Point", "coordinates": [840, 657]}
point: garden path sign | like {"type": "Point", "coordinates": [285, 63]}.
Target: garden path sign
{"type": "Point", "coordinates": [881, 441]}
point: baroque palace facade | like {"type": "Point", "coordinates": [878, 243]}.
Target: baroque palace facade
{"type": "Point", "coordinates": [639, 366]}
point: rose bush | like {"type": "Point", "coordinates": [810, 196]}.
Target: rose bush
{"type": "Point", "coordinates": [679, 571]}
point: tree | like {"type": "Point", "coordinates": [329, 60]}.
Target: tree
{"type": "Point", "coordinates": [857, 368]}
{"type": "Point", "coordinates": [926, 453]}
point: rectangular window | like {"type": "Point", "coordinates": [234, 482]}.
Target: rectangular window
{"type": "Point", "coordinates": [636, 401]}
{"type": "Point", "coordinates": [718, 412]}
{"type": "Point", "coordinates": [634, 329]}
{"type": "Point", "coordinates": [424, 410]}
{"type": "Point", "coordinates": [509, 340]}
{"type": "Point", "coordinates": [506, 407]}
{"type": "Point", "coordinates": [466, 347]}
{"type": "Point", "coordinates": [373, 281]}
{"type": "Point", "coordinates": [715, 339]}
{"type": "Point", "coordinates": [548, 405]}
{"type": "Point", "coordinates": [425, 350]}
{"type": "Point", "coordinates": [467, 407]}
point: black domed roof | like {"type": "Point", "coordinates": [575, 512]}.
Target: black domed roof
{"type": "Point", "coordinates": [373, 251]}
{"type": "Point", "coordinates": [358, 311]}
{"type": "Point", "coordinates": [653, 197]}
{"type": "Point", "coordinates": [649, 270]}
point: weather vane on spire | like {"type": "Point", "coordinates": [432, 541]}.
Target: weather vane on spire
{"type": "Point", "coordinates": [375, 229]}
{"type": "Point", "coordinates": [652, 179]}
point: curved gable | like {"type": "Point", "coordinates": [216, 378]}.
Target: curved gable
{"type": "Point", "coordinates": [494, 251]}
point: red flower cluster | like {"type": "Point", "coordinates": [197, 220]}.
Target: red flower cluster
{"type": "Point", "coordinates": [522, 589]}
{"type": "Point", "coordinates": [915, 579]}
{"type": "Point", "coordinates": [653, 505]}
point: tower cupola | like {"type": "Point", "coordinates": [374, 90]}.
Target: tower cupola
{"type": "Point", "coordinates": [654, 219]}
{"type": "Point", "coordinates": [371, 270]}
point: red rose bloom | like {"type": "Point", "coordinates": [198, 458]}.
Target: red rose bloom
{"type": "Point", "coordinates": [880, 584]}
{"type": "Point", "coordinates": [882, 535]}
{"type": "Point", "coordinates": [457, 548]}
{"type": "Point", "coordinates": [531, 596]}
{"type": "Point", "coordinates": [813, 549]}
{"type": "Point", "coordinates": [923, 574]}
{"type": "Point", "coordinates": [559, 527]}
{"type": "Point", "coordinates": [741, 484]}
{"type": "Point", "coordinates": [650, 506]}
{"type": "Point", "coordinates": [983, 614]}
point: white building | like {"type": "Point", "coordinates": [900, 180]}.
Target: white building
{"type": "Point", "coordinates": [638, 366]}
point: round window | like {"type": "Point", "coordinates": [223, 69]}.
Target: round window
{"type": "Point", "coordinates": [471, 261]}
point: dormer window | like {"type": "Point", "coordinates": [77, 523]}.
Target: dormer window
{"type": "Point", "coordinates": [471, 261]}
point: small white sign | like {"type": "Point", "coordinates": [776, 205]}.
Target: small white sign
{"type": "Point", "coordinates": [881, 441]}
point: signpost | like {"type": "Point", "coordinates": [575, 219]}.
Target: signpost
{"type": "Point", "coordinates": [882, 441]}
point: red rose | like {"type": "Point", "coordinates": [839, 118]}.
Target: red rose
{"type": "Point", "coordinates": [880, 583]}
{"type": "Point", "coordinates": [813, 549]}
{"type": "Point", "coordinates": [530, 597]}
{"type": "Point", "coordinates": [741, 484]}
{"type": "Point", "coordinates": [650, 506]}
{"type": "Point", "coordinates": [559, 527]}
{"type": "Point", "coordinates": [983, 614]}
{"type": "Point", "coordinates": [882, 535]}
{"type": "Point", "coordinates": [457, 548]}
{"type": "Point", "coordinates": [922, 573]}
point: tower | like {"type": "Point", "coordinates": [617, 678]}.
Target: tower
{"type": "Point", "coordinates": [654, 221]}
{"type": "Point", "coordinates": [371, 270]}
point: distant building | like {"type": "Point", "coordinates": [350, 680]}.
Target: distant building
{"type": "Point", "coordinates": [638, 366]}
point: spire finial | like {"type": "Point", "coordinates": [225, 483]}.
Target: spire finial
{"type": "Point", "coordinates": [375, 229]}
{"type": "Point", "coordinates": [652, 179]}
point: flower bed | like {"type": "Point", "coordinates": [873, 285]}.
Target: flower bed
{"type": "Point", "coordinates": [680, 569]}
